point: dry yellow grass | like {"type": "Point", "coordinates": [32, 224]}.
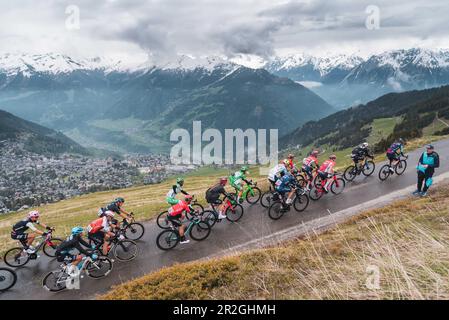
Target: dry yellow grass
{"type": "Point", "coordinates": [406, 242]}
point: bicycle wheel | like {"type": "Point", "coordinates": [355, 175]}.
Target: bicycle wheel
{"type": "Point", "coordinates": [209, 217]}
{"type": "Point", "coordinates": [234, 213]}
{"type": "Point", "coordinates": [316, 193]}
{"type": "Point", "coordinates": [167, 240]}
{"type": "Point", "coordinates": [265, 199]}
{"type": "Point", "coordinates": [8, 279]}
{"type": "Point", "coordinates": [301, 202]}
{"type": "Point", "coordinates": [198, 207]}
{"type": "Point", "coordinates": [338, 186]}
{"type": "Point", "coordinates": [99, 268]}
{"type": "Point", "coordinates": [317, 181]}
{"type": "Point", "coordinates": [384, 172]}
{"type": "Point", "coordinates": [134, 231]}
{"type": "Point", "coordinates": [161, 220]}
{"type": "Point", "coordinates": [275, 211]}
{"type": "Point", "coordinates": [253, 197]}
{"type": "Point", "coordinates": [16, 257]}
{"type": "Point", "coordinates": [368, 168]}
{"type": "Point", "coordinates": [55, 281]}
{"type": "Point", "coordinates": [200, 231]}
{"type": "Point", "coordinates": [50, 248]}
{"type": "Point", "coordinates": [125, 250]}
{"type": "Point", "coordinates": [350, 173]}
{"type": "Point", "coordinates": [400, 167]}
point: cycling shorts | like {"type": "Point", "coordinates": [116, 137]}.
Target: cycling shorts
{"type": "Point", "coordinates": [175, 220]}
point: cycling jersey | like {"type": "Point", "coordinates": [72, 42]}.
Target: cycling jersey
{"type": "Point", "coordinates": [100, 224]}
{"type": "Point", "coordinates": [22, 226]}
{"type": "Point", "coordinates": [309, 161]}
{"type": "Point", "coordinates": [175, 189]}
{"type": "Point", "coordinates": [179, 208]}
{"type": "Point", "coordinates": [72, 242]}
{"type": "Point", "coordinates": [283, 184]}
{"type": "Point", "coordinates": [327, 166]}
{"type": "Point", "coordinates": [275, 172]}
{"type": "Point", "coordinates": [396, 148]}
{"type": "Point", "coordinates": [213, 193]}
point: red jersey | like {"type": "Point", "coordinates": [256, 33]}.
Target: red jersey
{"type": "Point", "coordinates": [310, 160]}
{"type": "Point", "coordinates": [328, 166]}
{"type": "Point", "coordinates": [179, 208]}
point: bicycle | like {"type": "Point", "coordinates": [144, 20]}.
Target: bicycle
{"type": "Point", "coordinates": [337, 187]}
{"type": "Point", "coordinates": [233, 211]}
{"type": "Point", "coordinates": [18, 256]}
{"type": "Point", "coordinates": [132, 230]}
{"type": "Point", "coordinates": [251, 193]}
{"type": "Point", "coordinates": [367, 168]}
{"type": "Point", "coordinates": [197, 229]}
{"type": "Point", "coordinates": [57, 280]}
{"type": "Point", "coordinates": [279, 206]}
{"type": "Point", "coordinates": [122, 248]}
{"type": "Point", "coordinates": [399, 168]}
{"type": "Point", "coordinates": [161, 219]}
{"type": "Point", "coordinates": [8, 279]}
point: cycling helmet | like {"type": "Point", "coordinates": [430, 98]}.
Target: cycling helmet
{"type": "Point", "coordinates": [314, 152]}
{"type": "Point", "coordinates": [119, 199]}
{"type": "Point", "coordinates": [33, 214]}
{"type": "Point", "coordinates": [244, 169]}
{"type": "Point", "coordinates": [77, 230]}
{"type": "Point", "coordinates": [290, 156]}
{"type": "Point", "coordinates": [286, 162]}
{"type": "Point", "coordinates": [365, 145]}
{"type": "Point", "coordinates": [401, 141]}
{"type": "Point", "coordinates": [223, 181]}
{"type": "Point", "coordinates": [332, 157]}
{"type": "Point", "coordinates": [109, 213]}
{"type": "Point", "coordinates": [188, 198]}
{"type": "Point", "coordinates": [180, 181]}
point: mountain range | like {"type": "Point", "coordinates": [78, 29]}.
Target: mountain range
{"type": "Point", "coordinates": [347, 80]}
{"type": "Point", "coordinates": [105, 105]}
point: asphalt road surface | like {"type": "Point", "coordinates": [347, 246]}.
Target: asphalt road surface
{"type": "Point", "coordinates": [254, 224]}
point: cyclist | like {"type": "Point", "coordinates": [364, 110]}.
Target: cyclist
{"type": "Point", "coordinates": [213, 196]}
{"type": "Point", "coordinates": [308, 165]}
{"type": "Point", "coordinates": [116, 207]}
{"type": "Point", "coordinates": [236, 181]}
{"type": "Point", "coordinates": [275, 173]}
{"type": "Point", "coordinates": [74, 241]}
{"type": "Point", "coordinates": [286, 184]}
{"type": "Point", "coordinates": [100, 230]}
{"type": "Point", "coordinates": [394, 152]}
{"type": "Point", "coordinates": [176, 214]}
{"type": "Point", "coordinates": [290, 165]}
{"type": "Point", "coordinates": [326, 171]}
{"type": "Point", "coordinates": [361, 152]}
{"type": "Point", "coordinates": [427, 163]}
{"type": "Point", "coordinates": [175, 189]}
{"type": "Point", "coordinates": [26, 239]}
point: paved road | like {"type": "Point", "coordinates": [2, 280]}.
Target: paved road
{"type": "Point", "coordinates": [225, 235]}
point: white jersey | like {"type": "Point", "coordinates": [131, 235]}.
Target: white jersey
{"type": "Point", "coordinates": [276, 171]}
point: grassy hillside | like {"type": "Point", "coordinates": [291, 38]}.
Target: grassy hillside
{"type": "Point", "coordinates": [412, 112]}
{"type": "Point", "coordinates": [145, 201]}
{"type": "Point", "coordinates": [407, 242]}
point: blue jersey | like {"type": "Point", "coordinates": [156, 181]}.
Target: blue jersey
{"type": "Point", "coordinates": [284, 182]}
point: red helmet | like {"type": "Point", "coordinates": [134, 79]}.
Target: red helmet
{"type": "Point", "coordinates": [223, 181]}
{"type": "Point", "coordinates": [188, 198]}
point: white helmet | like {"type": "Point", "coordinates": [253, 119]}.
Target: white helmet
{"type": "Point", "coordinates": [33, 214]}
{"type": "Point", "coordinates": [109, 213]}
{"type": "Point", "coordinates": [365, 145]}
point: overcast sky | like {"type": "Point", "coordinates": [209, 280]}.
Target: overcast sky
{"type": "Point", "coordinates": [262, 28]}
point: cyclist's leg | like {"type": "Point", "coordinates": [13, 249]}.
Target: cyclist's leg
{"type": "Point", "coordinates": [30, 239]}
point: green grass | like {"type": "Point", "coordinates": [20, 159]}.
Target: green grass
{"type": "Point", "coordinates": [382, 128]}
{"type": "Point", "coordinates": [407, 242]}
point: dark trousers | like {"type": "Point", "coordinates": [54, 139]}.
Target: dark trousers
{"type": "Point", "coordinates": [422, 179]}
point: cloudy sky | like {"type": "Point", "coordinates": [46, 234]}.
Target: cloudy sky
{"type": "Point", "coordinates": [261, 28]}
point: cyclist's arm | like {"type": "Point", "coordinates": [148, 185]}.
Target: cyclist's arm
{"type": "Point", "coordinates": [184, 192]}
{"type": "Point", "coordinates": [33, 228]}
